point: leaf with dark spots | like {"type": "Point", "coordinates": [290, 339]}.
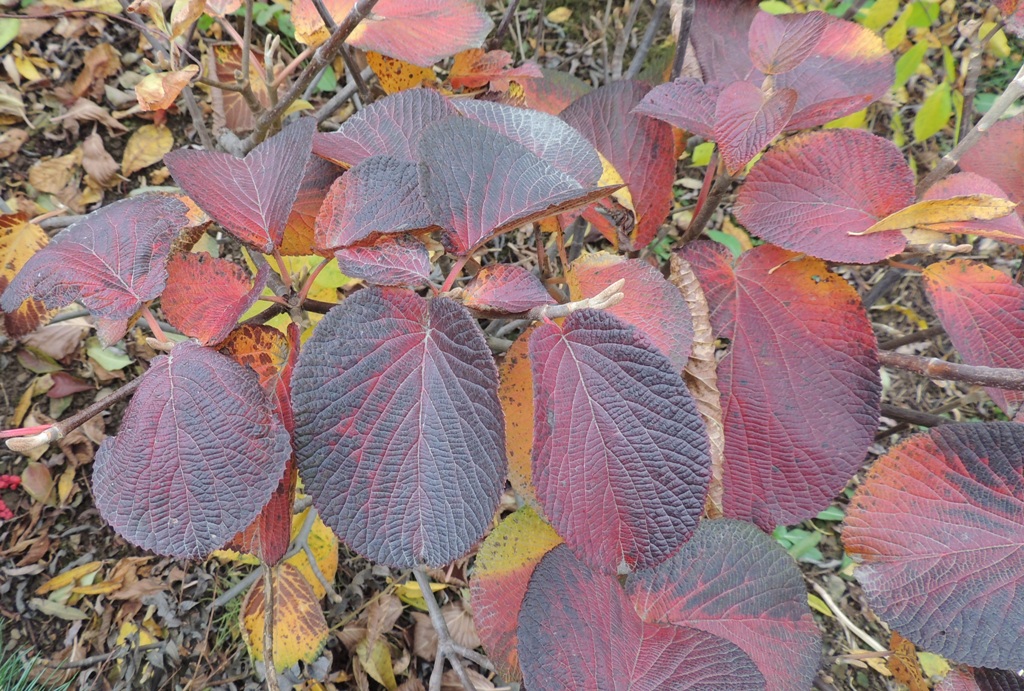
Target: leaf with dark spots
{"type": "Point", "coordinates": [571, 614]}
{"type": "Point", "coordinates": [19, 241]}
{"type": "Point", "coordinates": [545, 135]}
{"type": "Point", "coordinates": [391, 260]}
{"type": "Point", "coordinates": [746, 121]}
{"type": "Point", "coordinates": [479, 183]}
{"type": "Point", "coordinates": [936, 529]}
{"type": "Point", "coordinates": [474, 68]}
{"type": "Point", "coordinates": [206, 295]}
{"type": "Point", "coordinates": [686, 103]}
{"type": "Point", "coordinates": [620, 454]}
{"type": "Point", "coordinates": [298, 239]}
{"type": "Point", "coordinates": [641, 149]}
{"type": "Point", "coordinates": [505, 288]}
{"type": "Point", "coordinates": [800, 383]}
{"type": "Point", "coordinates": [271, 354]}
{"type": "Point", "coordinates": [982, 310]}
{"type": "Point", "coordinates": [379, 195]}
{"type": "Point", "coordinates": [391, 126]}
{"type": "Point", "coordinates": [199, 453]}
{"type": "Point", "coordinates": [399, 433]}
{"type": "Point", "coordinates": [650, 303]}
{"type": "Point", "coordinates": [112, 261]}
{"type": "Point", "coordinates": [251, 197]}
{"type": "Point", "coordinates": [516, 395]}
{"type": "Point", "coordinates": [501, 574]}
{"type": "Point", "coordinates": [812, 191]}
{"type": "Point", "coordinates": [778, 43]}
{"type": "Point", "coordinates": [734, 581]}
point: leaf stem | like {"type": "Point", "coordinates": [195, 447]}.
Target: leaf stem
{"type": "Point", "coordinates": [268, 630]}
{"type": "Point", "coordinates": [454, 274]}
{"type": "Point", "coordinates": [312, 279]}
{"type": "Point", "coordinates": [286, 277]}
{"type": "Point", "coordinates": [154, 325]}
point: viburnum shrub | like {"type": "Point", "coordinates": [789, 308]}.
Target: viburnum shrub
{"type": "Point", "coordinates": [653, 420]}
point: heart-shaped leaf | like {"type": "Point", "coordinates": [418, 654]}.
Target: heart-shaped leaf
{"type": "Point", "coordinates": [812, 191]}
{"type": "Point", "coordinates": [391, 126]}
{"type": "Point", "coordinates": [505, 288]}
{"type": "Point", "coordinates": [112, 261]}
{"type": "Point", "coordinates": [199, 453]}
{"type": "Point", "coordinates": [686, 103]}
{"type": "Point", "coordinates": [421, 482]}
{"type": "Point", "coordinates": [746, 121]}
{"type": "Point", "coordinates": [479, 183]}
{"type": "Point", "coordinates": [650, 303]}
{"type": "Point", "coordinates": [936, 527]}
{"type": "Point", "coordinates": [251, 197]}
{"type": "Point", "coordinates": [802, 348]}
{"type": "Point", "coordinates": [418, 31]}
{"type": "Point", "coordinates": [982, 310]}
{"type": "Point", "coordinates": [545, 135]}
{"type": "Point", "coordinates": [501, 574]}
{"type": "Point", "coordinates": [780, 42]}
{"type": "Point", "coordinates": [206, 295]}
{"type": "Point", "coordinates": [392, 260]}
{"type": "Point", "coordinates": [641, 149]}
{"type": "Point", "coordinates": [610, 648]}
{"type": "Point", "coordinates": [620, 454]}
{"type": "Point", "coordinates": [380, 194]}
{"type": "Point", "coordinates": [734, 581]}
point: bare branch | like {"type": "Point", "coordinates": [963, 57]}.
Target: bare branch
{"type": "Point", "coordinates": [934, 368]}
{"type": "Point", "coordinates": [637, 63]}
{"type": "Point", "coordinates": [682, 37]}
{"type": "Point", "coordinates": [446, 648]}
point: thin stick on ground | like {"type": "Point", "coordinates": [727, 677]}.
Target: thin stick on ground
{"type": "Point", "coordinates": [446, 647]}
{"type": "Point", "coordinates": [503, 26]}
{"type": "Point", "coordinates": [934, 368]}
{"type": "Point", "coordinates": [845, 620]}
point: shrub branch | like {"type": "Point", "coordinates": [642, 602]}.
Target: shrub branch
{"type": "Point", "coordinates": [934, 368]}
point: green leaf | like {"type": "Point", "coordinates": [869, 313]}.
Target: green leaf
{"type": "Point", "coordinates": [923, 14]}
{"type": "Point", "coordinates": [728, 240]}
{"type": "Point", "coordinates": [702, 153]}
{"type": "Point", "coordinates": [949, 65]}
{"type": "Point", "coordinates": [908, 63]}
{"type": "Point", "coordinates": [880, 14]}
{"type": "Point", "coordinates": [110, 359]}
{"type": "Point", "coordinates": [328, 80]}
{"type": "Point", "coordinates": [934, 113]}
{"type": "Point", "coordinates": [775, 7]}
{"type": "Point", "coordinates": [8, 31]}
{"type": "Point", "coordinates": [832, 513]}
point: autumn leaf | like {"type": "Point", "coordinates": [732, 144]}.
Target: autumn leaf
{"type": "Point", "coordinates": [19, 240]}
{"type": "Point", "coordinates": [147, 146]}
{"type": "Point", "coordinates": [973, 207]}
{"type": "Point", "coordinates": [158, 91]}
{"type": "Point", "coordinates": [397, 75]}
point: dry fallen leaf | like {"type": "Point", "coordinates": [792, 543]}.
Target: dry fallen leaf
{"type": "Point", "coordinates": [19, 240]}
{"type": "Point", "coordinates": [219, 8]}
{"type": "Point", "coordinates": [84, 110]}
{"type": "Point", "coordinates": [11, 141]}
{"type": "Point", "coordinates": [183, 13]}
{"type": "Point", "coordinates": [61, 340]}
{"type": "Point", "coordinates": [97, 162]}
{"type": "Point", "coordinates": [12, 108]}
{"type": "Point", "coordinates": [53, 175]}
{"type": "Point", "coordinates": [147, 146]}
{"type": "Point", "coordinates": [158, 91]}
{"type": "Point", "coordinates": [102, 61]}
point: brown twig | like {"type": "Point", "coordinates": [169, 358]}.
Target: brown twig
{"type": "Point", "coordinates": [682, 37]}
{"type": "Point", "coordinates": [637, 63]}
{"type": "Point", "coordinates": [915, 337]}
{"type": "Point", "coordinates": [913, 417]}
{"type": "Point", "coordinates": [322, 57]}
{"type": "Point", "coordinates": [114, 654]}
{"type": "Point", "coordinates": [973, 74]}
{"type": "Point", "coordinates": [619, 54]}
{"type": "Point", "coordinates": [701, 216]}
{"type": "Point", "coordinates": [1014, 90]}
{"type": "Point", "coordinates": [934, 368]}
{"type": "Point", "coordinates": [503, 25]}
{"type": "Point", "coordinates": [446, 648]}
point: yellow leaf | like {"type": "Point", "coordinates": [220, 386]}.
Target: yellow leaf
{"type": "Point", "coordinates": [300, 630]}
{"type": "Point", "coordinates": [183, 13]}
{"type": "Point", "coordinates": [933, 212]}
{"type": "Point", "coordinates": [125, 635]}
{"type": "Point", "coordinates": [933, 665]}
{"type": "Point", "coordinates": [25, 66]}
{"type": "Point", "coordinates": [297, 106]}
{"type": "Point", "coordinates": [146, 147]}
{"type": "Point", "coordinates": [609, 177]}
{"type": "Point", "coordinates": [854, 121]}
{"type": "Point", "coordinates": [397, 75]}
{"type": "Point", "coordinates": [159, 90]}
{"type": "Point", "coordinates": [998, 46]}
{"type": "Point", "coordinates": [410, 593]}
{"type": "Point", "coordinates": [230, 555]}
{"type": "Point", "coordinates": [66, 485]}
{"type": "Point", "coordinates": [377, 663]}
{"type": "Point", "coordinates": [559, 15]}
{"type": "Point", "coordinates": [818, 605]}
{"type": "Point", "coordinates": [54, 174]}
{"type": "Point", "coordinates": [19, 240]}
{"type": "Point", "coordinates": [68, 577]}
{"type": "Point", "coordinates": [324, 546]}
{"type": "Point", "coordinates": [102, 588]}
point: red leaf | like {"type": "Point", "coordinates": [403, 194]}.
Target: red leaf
{"type": "Point", "coordinates": [800, 384]}
{"type": "Point", "coordinates": [479, 183]}
{"type": "Point", "coordinates": [267, 538]}
{"type": "Point", "coordinates": [577, 630]}
{"type": "Point", "coordinates": [746, 121]}
{"type": "Point", "coordinates": [997, 155]}
{"type": "Point", "coordinates": [981, 679]}
{"type": "Point", "coordinates": [811, 191]}
{"type": "Point", "coordinates": [380, 194]}
{"type": "Point", "coordinates": [620, 454]}
{"type": "Point", "coordinates": [545, 135]}
{"type": "Point", "coordinates": [640, 148]}
{"type": "Point", "coordinates": [112, 261]}
{"type": "Point", "coordinates": [66, 385]}
{"type": "Point", "coordinates": [251, 197]}
{"type": "Point", "coordinates": [418, 31]}
{"type": "Point", "coordinates": [554, 91]}
{"type": "Point", "coordinates": [474, 68]}
{"type": "Point", "coordinates": [686, 103]}
{"type": "Point", "coordinates": [298, 240]}
{"type": "Point", "coordinates": [936, 527]}
{"type": "Point", "coordinates": [392, 260]}
{"type": "Point", "coordinates": [650, 303]}
{"type": "Point", "coordinates": [419, 482]}
{"type": "Point", "coordinates": [1008, 228]}
{"type": "Point", "coordinates": [848, 68]}
{"type": "Point", "coordinates": [391, 126]}
{"type": "Point", "coordinates": [270, 354]}
{"type": "Point", "coordinates": [733, 581]}
{"type": "Point", "coordinates": [778, 43]}
{"type": "Point", "coordinates": [205, 295]}
{"type": "Point", "coordinates": [199, 453]}
{"type": "Point", "coordinates": [505, 288]}
{"type": "Point", "coordinates": [982, 310]}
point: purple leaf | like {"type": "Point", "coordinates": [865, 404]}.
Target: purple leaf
{"type": "Point", "coordinates": [746, 121]}
{"type": "Point", "coordinates": [506, 288]}
{"type": "Point", "coordinates": [686, 103]}
{"type": "Point", "coordinates": [392, 260]}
